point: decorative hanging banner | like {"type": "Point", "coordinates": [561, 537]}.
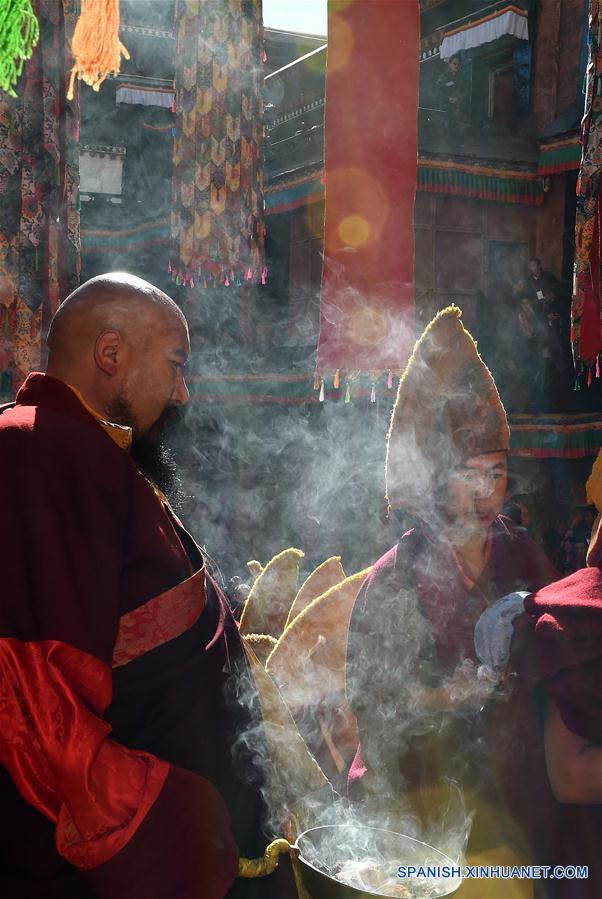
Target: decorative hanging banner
{"type": "Point", "coordinates": [563, 155]}
{"type": "Point", "coordinates": [217, 225]}
{"type": "Point", "coordinates": [470, 179]}
{"type": "Point", "coordinates": [139, 95]}
{"type": "Point", "coordinates": [509, 20]}
{"type": "Point", "coordinates": [39, 180]}
{"type": "Point", "coordinates": [370, 151]}
{"type": "Point", "coordinates": [586, 331]}
{"type": "Point", "coordinates": [475, 180]}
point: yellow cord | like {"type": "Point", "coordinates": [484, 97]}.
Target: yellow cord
{"type": "Point", "coordinates": [260, 867]}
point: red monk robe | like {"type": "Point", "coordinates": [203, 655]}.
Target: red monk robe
{"type": "Point", "coordinates": [560, 660]}
{"type": "Point", "coordinates": [427, 725]}
{"type": "Point", "coordinates": [117, 777]}
{"type": "Point", "coordinates": [412, 625]}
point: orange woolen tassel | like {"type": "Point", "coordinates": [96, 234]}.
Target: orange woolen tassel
{"type": "Point", "coordinates": [96, 47]}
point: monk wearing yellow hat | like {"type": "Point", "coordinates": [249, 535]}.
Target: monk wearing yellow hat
{"type": "Point", "coordinates": [422, 705]}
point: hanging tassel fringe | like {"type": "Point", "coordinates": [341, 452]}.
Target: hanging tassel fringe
{"type": "Point", "coordinates": [336, 381]}
{"type": "Point", "coordinates": [347, 392]}
{"type": "Point", "coordinates": [321, 397]}
{"type": "Point", "coordinates": [19, 34]}
{"type": "Point", "coordinates": [223, 277]}
{"type": "Point", "coordinates": [96, 47]}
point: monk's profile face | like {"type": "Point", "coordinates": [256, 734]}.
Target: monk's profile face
{"type": "Point", "coordinates": [476, 491]}
{"type": "Point", "coordinates": [154, 384]}
{"type": "Point", "coordinates": [123, 344]}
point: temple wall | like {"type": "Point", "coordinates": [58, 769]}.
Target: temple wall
{"type": "Point", "coordinates": [557, 54]}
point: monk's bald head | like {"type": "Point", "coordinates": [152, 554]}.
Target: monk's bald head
{"type": "Point", "coordinates": [122, 343]}
{"type": "Point", "coordinates": [116, 300]}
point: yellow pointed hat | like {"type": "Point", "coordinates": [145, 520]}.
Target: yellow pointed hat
{"type": "Point", "coordinates": [593, 491]}
{"type": "Point", "coordinates": [447, 410]}
{"type": "Point", "coordinates": [593, 486]}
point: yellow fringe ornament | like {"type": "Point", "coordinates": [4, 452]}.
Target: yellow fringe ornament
{"type": "Point", "coordinates": [96, 47]}
{"type": "Point", "coordinates": [19, 35]}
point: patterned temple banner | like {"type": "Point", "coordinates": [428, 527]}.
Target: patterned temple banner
{"type": "Point", "coordinates": [217, 227]}
{"type": "Point", "coordinates": [586, 332]}
{"type": "Point", "coordinates": [39, 180]}
{"type": "Point", "coordinates": [367, 300]}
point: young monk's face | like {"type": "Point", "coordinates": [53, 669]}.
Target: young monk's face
{"type": "Point", "coordinates": [476, 491]}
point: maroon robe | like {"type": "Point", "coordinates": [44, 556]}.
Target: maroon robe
{"type": "Point", "coordinates": [560, 659]}
{"type": "Point", "coordinates": [116, 651]}
{"type": "Point", "coordinates": [412, 625]}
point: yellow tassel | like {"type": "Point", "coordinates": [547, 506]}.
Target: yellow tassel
{"type": "Point", "coordinates": [96, 47]}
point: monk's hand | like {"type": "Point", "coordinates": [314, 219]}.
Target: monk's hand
{"type": "Point", "coordinates": [469, 687]}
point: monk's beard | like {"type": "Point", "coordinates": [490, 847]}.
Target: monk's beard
{"type": "Point", "coordinates": [150, 451]}
{"type": "Point", "coordinates": [157, 462]}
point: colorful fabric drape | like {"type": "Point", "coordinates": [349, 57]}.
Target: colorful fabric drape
{"type": "Point", "coordinates": [474, 180]}
{"type": "Point", "coordinates": [367, 303]}
{"type": "Point", "coordinates": [587, 311]}
{"type": "Point", "coordinates": [217, 200]}
{"type": "Point", "coordinates": [559, 156]}
{"type": "Point", "coordinates": [434, 176]}
{"type": "Point", "coordinates": [39, 180]}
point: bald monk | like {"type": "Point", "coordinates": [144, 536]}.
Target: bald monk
{"type": "Point", "coordinates": [117, 650]}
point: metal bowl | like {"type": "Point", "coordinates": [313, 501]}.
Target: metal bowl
{"type": "Point", "coordinates": [327, 846]}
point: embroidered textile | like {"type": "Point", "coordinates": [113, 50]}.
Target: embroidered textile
{"type": "Point", "coordinates": [55, 745]}
{"type": "Point", "coordinates": [161, 619]}
{"type": "Point", "coordinates": [217, 193]}
{"type": "Point", "coordinates": [39, 180]}
{"type": "Point", "coordinates": [586, 326]}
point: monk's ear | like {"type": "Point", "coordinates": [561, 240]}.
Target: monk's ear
{"type": "Point", "coordinates": [110, 351]}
